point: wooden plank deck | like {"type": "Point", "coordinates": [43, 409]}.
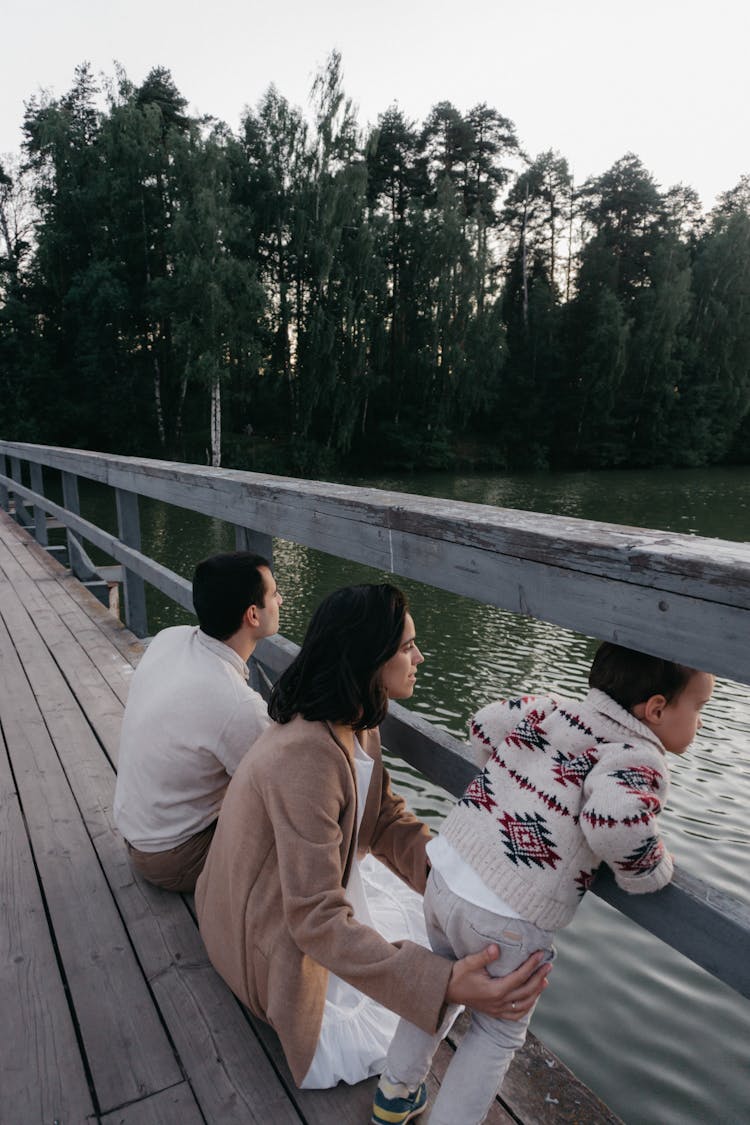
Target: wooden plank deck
{"type": "Point", "coordinates": [109, 1009]}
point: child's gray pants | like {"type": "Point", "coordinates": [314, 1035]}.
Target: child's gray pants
{"type": "Point", "coordinates": [456, 928]}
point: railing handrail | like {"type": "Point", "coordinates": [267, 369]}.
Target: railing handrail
{"type": "Point", "coordinates": [681, 597]}
{"type": "Point", "coordinates": [685, 598]}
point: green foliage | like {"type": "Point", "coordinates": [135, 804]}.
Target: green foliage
{"type": "Point", "coordinates": [302, 297]}
{"type": "Point", "coordinates": [714, 393]}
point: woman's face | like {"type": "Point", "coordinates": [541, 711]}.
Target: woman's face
{"type": "Point", "coordinates": [399, 674]}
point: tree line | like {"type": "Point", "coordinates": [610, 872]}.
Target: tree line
{"type": "Point", "coordinates": [307, 296]}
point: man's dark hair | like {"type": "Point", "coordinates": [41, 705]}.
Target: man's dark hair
{"type": "Point", "coordinates": [631, 677]}
{"type": "Point", "coordinates": [223, 588]}
{"type": "Point", "coordinates": [336, 674]}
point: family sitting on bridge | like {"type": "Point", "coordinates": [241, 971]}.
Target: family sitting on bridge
{"type": "Point", "coordinates": [314, 936]}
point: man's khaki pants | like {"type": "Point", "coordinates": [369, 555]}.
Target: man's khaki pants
{"type": "Point", "coordinates": [178, 868]}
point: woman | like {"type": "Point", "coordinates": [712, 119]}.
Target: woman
{"type": "Point", "coordinates": [312, 798]}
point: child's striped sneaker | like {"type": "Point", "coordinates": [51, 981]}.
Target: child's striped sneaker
{"type": "Point", "coordinates": [394, 1103]}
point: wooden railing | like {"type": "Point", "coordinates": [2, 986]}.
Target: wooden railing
{"type": "Point", "coordinates": [680, 597]}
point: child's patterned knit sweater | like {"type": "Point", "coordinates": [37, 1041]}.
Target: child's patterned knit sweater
{"type": "Point", "coordinates": [566, 785]}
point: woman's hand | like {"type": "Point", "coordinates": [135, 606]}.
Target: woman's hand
{"type": "Point", "coordinates": [506, 998]}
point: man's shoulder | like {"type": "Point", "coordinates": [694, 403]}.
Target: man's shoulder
{"type": "Point", "coordinates": [169, 638]}
{"type": "Point", "coordinates": [162, 649]}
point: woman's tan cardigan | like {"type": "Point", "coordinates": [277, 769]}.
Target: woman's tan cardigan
{"type": "Point", "coordinates": [271, 903]}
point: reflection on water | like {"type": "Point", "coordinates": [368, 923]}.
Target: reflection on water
{"type": "Point", "coordinates": [713, 502]}
{"type": "Point", "coordinates": [661, 1041]}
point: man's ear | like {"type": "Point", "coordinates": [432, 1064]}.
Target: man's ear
{"type": "Point", "coordinates": [250, 617]}
{"type": "Point", "coordinates": [652, 711]}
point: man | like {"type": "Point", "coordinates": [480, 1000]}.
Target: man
{"type": "Point", "coordinates": [190, 718]}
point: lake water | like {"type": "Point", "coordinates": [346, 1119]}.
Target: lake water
{"type": "Point", "coordinates": [658, 1039]}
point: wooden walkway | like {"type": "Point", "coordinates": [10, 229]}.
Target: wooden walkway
{"type": "Point", "coordinates": [109, 1009]}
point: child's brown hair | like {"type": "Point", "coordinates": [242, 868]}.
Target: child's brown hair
{"type": "Point", "coordinates": [631, 677]}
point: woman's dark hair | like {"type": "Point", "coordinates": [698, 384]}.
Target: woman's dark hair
{"type": "Point", "coordinates": [223, 588]}
{"type": "Point", "coordinates": [631, 677]}
{"type": "Point", "coordinates": [336, 674]}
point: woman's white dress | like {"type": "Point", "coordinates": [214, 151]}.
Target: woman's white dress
{"type": "Point", "coordinates": [357, 1030]}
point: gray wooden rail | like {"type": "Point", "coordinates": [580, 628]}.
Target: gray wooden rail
{"type": "Point", "coordinates": [680, 597]}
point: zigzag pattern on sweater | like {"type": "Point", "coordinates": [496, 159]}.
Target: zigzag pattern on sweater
{"type": "Point", "coordinates": [516, 704]}
{"type": "Point", "coordinates": [644, 859]}
{"type": "Point", "coordinates": [574, 770]}
{"type": "Point", "coordinates": [549, 799]}
{"type": "Point", "coordinates": [642, 782]}
{"type": "Point", "coordinates": [477, 732]}
{"type": "Point", "coordinates": [530, 733]}
{"type": "Point", "coordinates": [576, 722]}
{"type": "Point", "coordinates": [629, 821]}
{"type": "Point", "coordinates": [528, 839]}
{"type": "Point", "coordinates": [599, 820]}
{"type": "Point", "coordinates": [635, 778]}
{"type": "Point", "coordinates": [479, 794]}
{"type": "Point", "coordinates": [584, 879]}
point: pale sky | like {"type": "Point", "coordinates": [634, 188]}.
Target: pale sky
{"type": "Point", "coordinates": [593, 79]}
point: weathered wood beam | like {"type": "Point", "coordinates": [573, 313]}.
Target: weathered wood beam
{"type": "Point", "coordinates": [4, 499]}
{"type": "Point", "coordinates": [681, 597]}
{"type": "Point", "coordinates": [245, 539]}
{"type": "Point", "coordinates": [23, 516]}
{"type": "Point", "coordinates": [165, 580]}
{"type": "Point", "coordinates": [40, 519]}
{"type": "Point", "coordinates": [129, 528]}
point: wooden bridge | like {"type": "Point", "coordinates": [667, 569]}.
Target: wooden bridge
{"type": "Point", "coordinates": [109, 1009]}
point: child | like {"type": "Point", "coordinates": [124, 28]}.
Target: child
{"type": "Point", "coordinates": [565, 786]}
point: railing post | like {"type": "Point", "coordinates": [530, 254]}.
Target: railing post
{"type": "Point", "coordinates": [22, 513]}
{"type": "Point", "coordinates": [129, 529]}
{"type": "Point", "coordinates": [245, 539]}
{"type": "Point", "coordinates": [4, 501]}
{"type": "Point", "coordinates": [72, 504]}
{"type": "Point", "coordinates": [40, 516]}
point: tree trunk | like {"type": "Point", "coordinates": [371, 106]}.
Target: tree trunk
{"type": "Point", "coordinates": [158, 403]}
{"type": "Point", "coordinates": [524, 263]}
{"type": "Point", "coordinates": [569, 268]}
{"type": "Point", "coordinates": [216, 423]}
{"type": "Point", "coordinates": [180, 407]}
{"type": "Point", "coordinates": [552, 240]}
